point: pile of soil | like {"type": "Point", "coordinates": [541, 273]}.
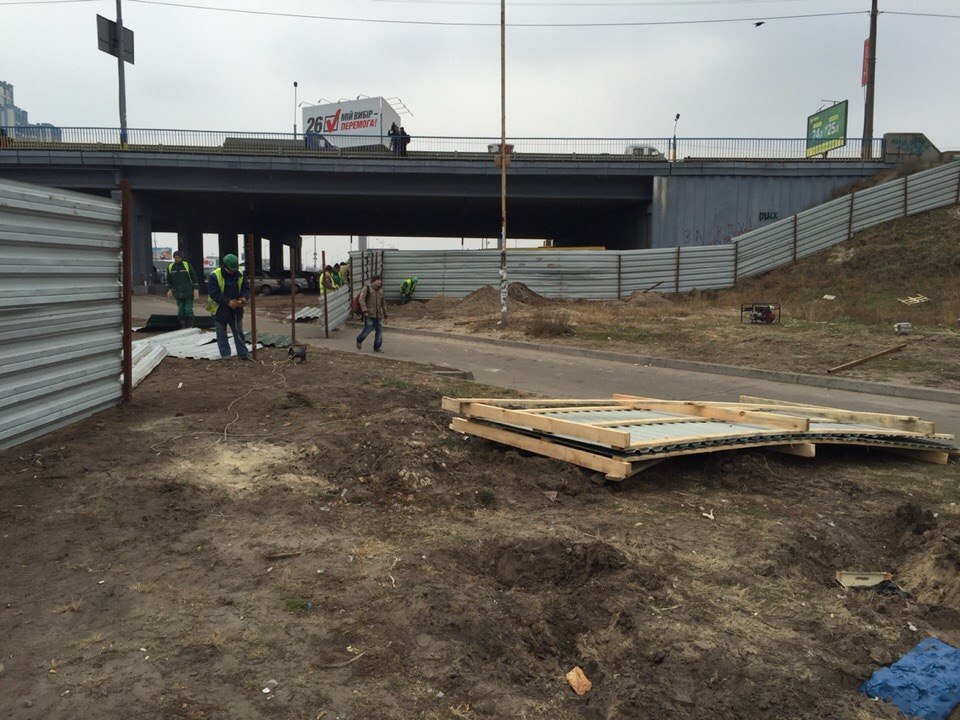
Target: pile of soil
{"type": "Point", "coordinates": [518, 292]}
{"type": "Point", "coordinates": [482, 301]}
{"type": "Point", "coordinates": [320, 526]}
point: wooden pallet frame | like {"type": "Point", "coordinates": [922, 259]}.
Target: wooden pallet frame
{"type": "Point", "coordinates": [532, 425]}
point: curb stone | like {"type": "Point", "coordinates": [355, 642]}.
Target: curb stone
{"type": "Point", "coordinates": [914, 392]}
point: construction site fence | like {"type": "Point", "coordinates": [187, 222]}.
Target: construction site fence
{"type": "Point", "coordinates": [613, 274]}
{"type": "Point", "coordinates": [155, 140]}
{"type": "Point", "coordinates": [61, 320]}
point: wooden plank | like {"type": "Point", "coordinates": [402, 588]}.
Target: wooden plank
{"type": "Point", "coordinates": [908, 423]}
{"type": "Point", "coordinates": [726, 413]}
{"type": "Point", "coordinates": [637, 468]}
{"type": "Point", "coordinates": [575, 408]}
{"type": "Point", "coordinates": [455, 404]}
{"type": "Point", "coordinates": [581, 431]}
{"type": "Point", "coordinates": [652, 421]}
{"type": "Point", "coordinates": [610, 467]}
{"type": "Point", "coordinates": [865, 358]}
{"type": "Point", "coordinates": [806, 450]}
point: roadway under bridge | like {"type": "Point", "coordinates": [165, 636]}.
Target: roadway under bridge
{"type": "Point", "coordinates": [574, 200]}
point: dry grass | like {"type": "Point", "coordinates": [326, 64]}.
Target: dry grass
{"type": "Point", "coordinates": [544, 323]}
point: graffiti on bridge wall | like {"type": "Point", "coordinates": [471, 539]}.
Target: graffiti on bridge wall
{"type": "Point", "coordinates": [717, 235]}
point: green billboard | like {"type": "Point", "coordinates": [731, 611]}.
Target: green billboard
{"type": "Point", "coordinates": [827, 129]}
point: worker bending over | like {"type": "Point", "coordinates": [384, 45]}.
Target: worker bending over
{"type": "Point", "coordinates": [406, 289]}
{"type": "Point", "coordinates": [228, 294]}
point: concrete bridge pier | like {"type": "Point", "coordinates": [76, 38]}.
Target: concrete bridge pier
{"type": "Point", "coordinates": [227, 243]}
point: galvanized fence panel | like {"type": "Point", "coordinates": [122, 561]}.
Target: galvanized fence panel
{"type": "Point", "coordinates": [823, 226]}
{"type": "Point", "coordinates": [706, 268]}
{"type": "Point", "coordinates": [647, 271]}
{"type": "Point", "coordinates": [60, 309]}
{"type": "Point", "coordinates": [603, 274]}
{"type": "Point", "coordinates": [934, 188]}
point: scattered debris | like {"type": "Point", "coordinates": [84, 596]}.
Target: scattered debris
{"type": "Point", "coordinates": [851, 579]}
{"type": "Point", "coordinates": [903, 328]}
{"type": "Point", "coordinates": [864, 359]}
{"type": "Point", "coordinates": [829, 297]}
{"type": "Point", "coordinates": [269, 687]}
{"type": "Point", "coordinates": [914, 300]}
{"type": "Point", "coordinates": [578, 681]}
{"type": "Point", "coordinates": [709, 515]}
{"type": "Point", "coordinates": [625, 435]}
{"type": "Point", "coordinates": [284, 555]}
{"type": "Point", "coordinates": [551, 495]}
{"type": "Point", "coordinates": [924, 683]}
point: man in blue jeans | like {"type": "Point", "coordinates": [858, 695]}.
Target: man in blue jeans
{"type": "Point", "coordinates": [374, 312]}
{"type": "Point", "coordinates": [228, 294]}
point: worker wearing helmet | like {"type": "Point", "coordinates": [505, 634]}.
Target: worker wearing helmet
{"type": "Point", "coordinates": [406, 289]}
{"type": "Point", "coordinates": [182, 286]}
{"type": "Point", "coordinates": [228, 294]}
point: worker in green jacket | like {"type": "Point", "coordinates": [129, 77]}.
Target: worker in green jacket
{"type": "Point", "coordinates": [406, 289]}
{"type": "Point", "coordinates": [182, 287]}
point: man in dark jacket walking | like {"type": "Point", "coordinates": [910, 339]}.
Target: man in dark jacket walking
{"type": "Point", "coordinates": [182, 286]}
{"type": "Point", "coordinates": [228, 294]}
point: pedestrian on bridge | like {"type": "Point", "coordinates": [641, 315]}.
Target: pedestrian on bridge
{"type": "Point", "coordinates": [403, 141]}
{"type": "Point", "coordinates": [374, 311]}
{"type": "Point", "coordinates": [182, 286]}
{"type": "Point", "coordinates": [228, 294]}
{"type": "Point", "coordinates": [394, 135]}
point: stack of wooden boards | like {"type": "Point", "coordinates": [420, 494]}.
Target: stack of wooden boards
{"type": "Point", "coordinates": [626, 434]}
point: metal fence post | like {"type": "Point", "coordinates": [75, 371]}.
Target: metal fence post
{"type": "Point", "coordinates": [326, 320]}
{"type": "Point", "coordinates": [250, 264]}
{"type": "Point", "coordinates": [850, 217]}
{"type": "Point", "coordinates": [350, 285]}
{"type": "Point", "coordinates": [676, 279]}
{"type": "Point", "coordinates": [736, 261]}
{"type": "Point", "coordinates": [126, 260]}
{"type": "Point", "coordinates": [794, 239]}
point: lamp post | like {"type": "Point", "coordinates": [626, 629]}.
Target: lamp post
{"type": "Point", "coordinates": [295, 109]}
{"type": "Point", "coordinates": [673, 145]}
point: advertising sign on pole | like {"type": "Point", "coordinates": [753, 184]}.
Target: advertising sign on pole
{"type": "Point", "coordinates": [827, 129]}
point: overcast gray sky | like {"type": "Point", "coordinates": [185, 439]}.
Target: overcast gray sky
{"type": "Point", "coordinates": [205, 69]}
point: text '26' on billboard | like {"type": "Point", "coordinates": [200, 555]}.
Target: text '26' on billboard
{"type": "Point", "coordinates": [827, 129]}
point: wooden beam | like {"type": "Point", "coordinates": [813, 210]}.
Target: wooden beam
{"type": "Point", "coordinates": [581, 431]}
{"type": "Point", "coordinates": [454, 404]}
{"type": "Point", "coordinates": [612, 468]}
{"type": "Point", "coordinates": [908, 423]}
{"type": "Point", "coordinates": [637, 468]}
{"type": "Point", "coordinates": [652, 421]}
{"type": "Point", "coordinates": [865, 358]}
{"type": "Point", "coordinates": [726, 413]}
{"type": "Point", "coordinates": [805, 450]}
{"type": "Point", "coordinates": [575, 408]}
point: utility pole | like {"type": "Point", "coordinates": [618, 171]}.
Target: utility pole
{"type": "Point", "coordinates": [866, 149]}
{"type": "Point", "coordinates": [123, 83]}
{"type": "Point", "coordinates": [503, 163]}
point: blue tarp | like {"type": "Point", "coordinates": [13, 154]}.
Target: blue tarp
{"type": "Point", "coordinates": [924, 683]}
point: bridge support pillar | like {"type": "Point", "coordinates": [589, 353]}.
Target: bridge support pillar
{"type": "Point", "coordinates": [362, 243]}
{"type": "Point", "coordinates": [257, 252]}
{"type": "Point", "coordinates": [141, 241]}
{"type": "Point", "coordinates": [227, 243]}
{"type": "Point", "coordinates": [190, 243]}
{"type": "Point", "coordinates": [276, 256]}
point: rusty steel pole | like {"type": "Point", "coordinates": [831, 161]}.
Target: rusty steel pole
{"type": "Point", "coordinates": [293, 301]}
{"type": "Point", "coordinates": [126, 261]}
{"type": "Point", "coordinates": [503, 164]}
{"type": "Point", "coordinates": [326, 321]}
{"type": "Point", "coordinates": [251, 267]}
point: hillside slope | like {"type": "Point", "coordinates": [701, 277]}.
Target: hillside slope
{"type": "Point", "coordinates": [867, 274]}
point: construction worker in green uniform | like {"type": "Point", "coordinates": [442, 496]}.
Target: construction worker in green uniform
{"type": "Point", "coordinates": [182, 287]}
{"type": "Point", "coordinates": [406, 289]}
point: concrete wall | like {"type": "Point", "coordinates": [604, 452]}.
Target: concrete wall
{"type": "Point", "coordinates": [711, 210]}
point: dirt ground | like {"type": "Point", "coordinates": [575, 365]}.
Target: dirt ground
{"type": "Point", "coordinates": [697, 327]}
{"type": "Point", "coordinates": [319, 526]}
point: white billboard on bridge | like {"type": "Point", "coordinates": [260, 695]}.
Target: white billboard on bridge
{"type": "Point", "coordinates": [351, 123]}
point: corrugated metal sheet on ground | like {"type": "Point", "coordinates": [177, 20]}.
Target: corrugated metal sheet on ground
{"type": "Point", "coordinates": [270, 339]}
{"type": "Point", "coordinates": [60, 321]}
{"type": "Point", "coordinates": [192, 343]}
{"type": "Point", "coordinates": [146, 357]}
{"type": "Point", "coordinates": [338, 307]}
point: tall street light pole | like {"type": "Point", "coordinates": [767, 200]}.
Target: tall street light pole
{"type": "Point", "coordinates": [503, 163]}
{"type": "Point", "coordinates": [294, 109]}
{"type": "Point", "coordinates": [866, 149]}
{"type": "Point", "coordinates": [673, 149]}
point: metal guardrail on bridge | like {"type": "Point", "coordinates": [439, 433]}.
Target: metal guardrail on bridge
{"type": "Point", "coordinates": [421, 146]}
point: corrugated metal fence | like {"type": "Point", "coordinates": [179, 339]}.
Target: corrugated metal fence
{"type": "Point", "coordinates": [60, 309]}
{"type": "Point", "coordinates": [610, 274]}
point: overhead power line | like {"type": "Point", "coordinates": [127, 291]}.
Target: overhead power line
{"type": "Point", "coordinates": [333, 18]}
